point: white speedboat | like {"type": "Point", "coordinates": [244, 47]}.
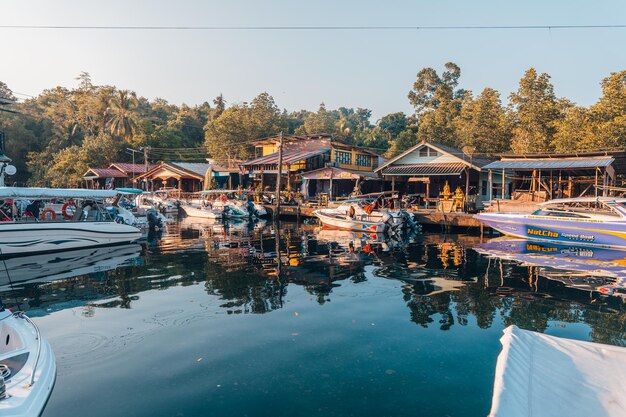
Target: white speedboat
{"type": "Point", "coordinates": [368, 208]}
{"type": "Point", "coordinates": [598, 221]}
{"type": "Point", "coordinates": [84, 221]}
{"type": "Point", "coordinates": [329, 218]}
{"type": "Point", "coordinates": [27, 367]}
{"type": "Point", "coordinates": [202, 211]}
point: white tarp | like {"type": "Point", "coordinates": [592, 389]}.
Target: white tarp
{"type": "Point", "coordinates": [43, 193]}
{"type": "Point", "coordinates": [540, 376]}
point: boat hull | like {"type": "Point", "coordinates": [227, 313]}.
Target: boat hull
{"type": "Point", "coordinates": [21, 239]}
{"type": "Point", "coordinates": [27, 400]}
{"type": "Point", "coordinates": [355, 225]}
{"type": "Point", "coordinates": [579, 232]}
{"type": "Point", "coordinates": [202, 213]}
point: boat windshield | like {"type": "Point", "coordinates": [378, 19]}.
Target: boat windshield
{"type": "Point", "coordinates": [559, 213]}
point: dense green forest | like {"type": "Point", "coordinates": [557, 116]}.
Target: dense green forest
{"type": "Point", "coordinates": [54, 137]}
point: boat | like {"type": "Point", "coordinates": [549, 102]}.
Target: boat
{"type": "Point", "coordinates": [84, 221]}
{"type": "Point", "coordinates": [595, 221]}
{"type": "Point", "coordinates": [329, 218]}
{"type": "Point", "coordinates": [27, 366]}
{"type": "Point", "coordinates": [201, 211]}
{"type": "Point", "coordinates": [542, 375]}
{"type": "Point", "coordinates": [368, 208]}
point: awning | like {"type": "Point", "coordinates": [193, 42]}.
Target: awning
{"type": "Point", "coordinates": [288, 157]}
{"type": "Point", "coordinates": [548, 163]}
{"type": "Point", "coordinates": [425, 169]}
{"type": "Point", "coordinates": [44, 193]}
{"type": "Point", "coordinates": [338, 174]}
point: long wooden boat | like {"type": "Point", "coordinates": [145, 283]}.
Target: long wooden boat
{"type": "Point", "coordinates": [333, 220]}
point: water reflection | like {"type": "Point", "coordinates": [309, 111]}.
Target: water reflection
{"type": "Point", "coordinates": [446, 281]}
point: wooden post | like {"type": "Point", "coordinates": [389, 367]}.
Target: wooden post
{"type": "Point", "coordinates": [503, 181]}
{"type": "Point", "coordinates": [279, 177]}
{"type": "Point", "coordinates": [467, 174]}
{"type": "Point", "coordinates": [490, 185]}
{"type": "Point", "coordinates": [596, 182]}
{"type": "Point", "coordinates": [393, 184]}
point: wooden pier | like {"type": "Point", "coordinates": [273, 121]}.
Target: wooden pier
{"type": "Point", "coordinates": [424, 216]}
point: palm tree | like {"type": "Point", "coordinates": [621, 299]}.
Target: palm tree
{"type": "Point", "coordinates": [122, 114]}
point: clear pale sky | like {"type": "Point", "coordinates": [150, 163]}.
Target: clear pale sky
{"type": "Point", "coordinates": [373, 69]}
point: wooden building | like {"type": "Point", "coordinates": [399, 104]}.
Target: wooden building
{"type": "Point", "coordinates": [117, 174]}
{"type": "Point", "coordinates": [541, 177]}
{"type": "Point", "coordinates": [188, 177]}
{"type": "Point", "coordinates": [312, 161]}
{"type": "Point", "coordinates": [425, 169]}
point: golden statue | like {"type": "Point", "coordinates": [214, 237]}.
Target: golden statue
{"type": "Point", "coordinates": [446, 194]}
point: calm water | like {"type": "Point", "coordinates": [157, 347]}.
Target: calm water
{"type": "Point", "coordinates": [211, 321]}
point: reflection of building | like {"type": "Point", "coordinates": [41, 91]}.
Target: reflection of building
{"type": "Point", "coordinates": [322, 163]}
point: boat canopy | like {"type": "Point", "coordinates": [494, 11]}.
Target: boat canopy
{"type": "Point", "coordinates": [583, 200]}
{"type": "Point", "coordinates": [129, 191]}
{"type": "Point", "coordinates": [44, 193]}
{"type": "Point", "coordinates": [541, 375]}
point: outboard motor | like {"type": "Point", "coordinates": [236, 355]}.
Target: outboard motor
{"type": "Point", "coordinates": [251, 209]}
{"type": "Point", "coordinates": [154, 221]}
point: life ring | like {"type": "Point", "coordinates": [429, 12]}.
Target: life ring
{"type": "Point", "coordinates": [64, 209]}
{"type": "Point", "coordinates": [53, 215]}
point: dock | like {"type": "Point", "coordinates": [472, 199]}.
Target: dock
{"type": "Point", "coordinates": [423, 216]}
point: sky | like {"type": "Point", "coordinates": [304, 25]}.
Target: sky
{"type": "Point", "coordinates": [301, 69]}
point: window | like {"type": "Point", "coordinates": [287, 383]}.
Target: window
{"type": "Point", "coordinates": [424, 152]}
{"type": "Point", "coordinates": [433, 153]}
{"type": "Point", "coordinates": [364, 160]}
{"type": "Point", "coordinates": [344, 158]}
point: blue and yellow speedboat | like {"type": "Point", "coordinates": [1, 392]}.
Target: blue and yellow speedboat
{"type": "Point", "coordinates": [596, 221]}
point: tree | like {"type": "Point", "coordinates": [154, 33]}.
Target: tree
{"type": "Point", "coordinates": [231, 134]}
{"type": "Point", "coordinates": [429, 89]}
{"type": "Point", "coordinates": [536, 111]}
{"type": "Point", "coordinates": [122, 114]}
{"type": "Point", "coordinates": [483, 124]}
{"type": "Point", "coordinates": [323, 121]}
{"type": "Point", "coordinates": [220, 106]}
{"type": "Point", "coordinates": [5, 92]}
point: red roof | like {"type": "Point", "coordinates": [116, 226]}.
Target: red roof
{"type": "Point", "coordinates": [129, 168]}
{"type": "Point", "coordinates": [105, 173]}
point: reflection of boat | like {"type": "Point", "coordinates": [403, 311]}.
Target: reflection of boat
{"type": "Point", "coordinates": [88, 225]}
{"type": "Point", "coordinates": [599, 221]}
{"type": "Point", "coordinates": [55, 266]}
{"type": "Point", "coordinates": [333, 220]}
{"type": "Point", "coordinates": [541, 375]}
{"type": "Point", "coordinates": [602, 268]}
{"type": "Point", "coordinates": [27, 366]}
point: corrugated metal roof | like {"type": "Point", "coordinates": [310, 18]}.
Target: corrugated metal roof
{"type": "Point", "coordinates": [288, 157]}
{"type": "Point", "coordinates": [425, 169]}
{"type": "Point", "coordinates": [339, 173]}
{"type": "Point", "coordinates": [548, 163]}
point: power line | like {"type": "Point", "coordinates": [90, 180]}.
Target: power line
{"type": "Point", "coordinates": [315, 28]}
